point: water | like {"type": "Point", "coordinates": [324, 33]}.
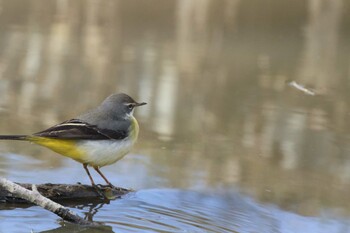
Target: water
{"type": "Point", "coordinates": [168, 210]}
{"type": "Point", "coordinates": [246, 127]}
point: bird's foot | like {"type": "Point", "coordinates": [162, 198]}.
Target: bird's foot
{"type": "Point", "coordinates": [99, 189]}
{"type": "Point", "coordinates": [111, 185]}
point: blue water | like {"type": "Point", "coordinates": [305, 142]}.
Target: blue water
{"type": "Point", "coordinates": [170, 210]}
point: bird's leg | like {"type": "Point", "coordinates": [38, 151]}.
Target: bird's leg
{"type": "Point", "coordinates": [98, 190]}
{"type": "Point", "coordinates": [107, 181]}
{"type": "Point", "coordinates": [87, 171]}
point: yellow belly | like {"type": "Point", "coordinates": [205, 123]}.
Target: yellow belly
{"type": "Point", "coordinates": [67, 148]}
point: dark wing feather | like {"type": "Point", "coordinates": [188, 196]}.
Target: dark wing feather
{"type": "Point", "coordinates": [76, 129]}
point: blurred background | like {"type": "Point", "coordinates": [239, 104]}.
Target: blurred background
{"type": "Point", "coordinates": [246, 99]}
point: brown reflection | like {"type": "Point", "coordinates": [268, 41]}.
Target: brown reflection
{"type": "Point", "coordinates": [214, 74]}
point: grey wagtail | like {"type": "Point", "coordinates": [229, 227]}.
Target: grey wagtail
{"type": "Point", "coordinates": [100, 137]}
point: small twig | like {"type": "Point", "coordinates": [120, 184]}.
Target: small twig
{"type": "Point", "coordinates": [301, 88]}
{"type": "Point", "coordinates": [34, 189]}
{"type": "Point", "coordinates": [36, 198]}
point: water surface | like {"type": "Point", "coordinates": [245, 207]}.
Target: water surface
{"type": "Point", "coordinates": [246, 127]}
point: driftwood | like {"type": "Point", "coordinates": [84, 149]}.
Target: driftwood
{"type": "Point", "coordinates": [35, 197]}
{"type": "Point", "coordinates": [45, 196]}
{"type": "Point", "coordinates": [67, 193]}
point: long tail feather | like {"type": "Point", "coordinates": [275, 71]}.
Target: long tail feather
{"type": "Point", "coordinates": [13, 137]}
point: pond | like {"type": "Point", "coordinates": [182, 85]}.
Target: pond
{"type": "Point", "coordinates": [247, 123]}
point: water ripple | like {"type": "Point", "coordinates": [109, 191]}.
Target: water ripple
{"type": "Point", "coordinates": [184, 211]}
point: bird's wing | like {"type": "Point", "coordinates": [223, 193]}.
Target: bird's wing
{"type": "Point", "coordinates": [76, 129]}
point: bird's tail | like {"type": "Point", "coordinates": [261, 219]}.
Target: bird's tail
{"type": "Point", "coordinates": [13, 137]}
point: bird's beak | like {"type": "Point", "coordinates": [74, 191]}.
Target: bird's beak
{"type": "Point", "coordinates": [140, 104]}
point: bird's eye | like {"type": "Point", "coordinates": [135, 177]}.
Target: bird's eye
{"type": "Point", "coordinates": [130, 106]}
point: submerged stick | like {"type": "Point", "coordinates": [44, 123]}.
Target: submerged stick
{"type": "Point", "coordinates": [35, 197]}
{"type": "Point", "coordinates": [67, 193]}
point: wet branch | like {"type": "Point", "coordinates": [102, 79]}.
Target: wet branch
{"type": "Point", "coordinates": [66, 193]}
{"type": "Point", "coordinates": [40, 195]}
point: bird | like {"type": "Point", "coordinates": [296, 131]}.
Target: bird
{"type": "Point", "coordinates": [99, 137]}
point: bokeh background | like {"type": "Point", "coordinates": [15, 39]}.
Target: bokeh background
{"type": "Point", "coordinates": [227, 142]}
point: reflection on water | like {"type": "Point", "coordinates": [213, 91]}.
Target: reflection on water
{"type": "Point", "coordinates": [176, 211]}
{"type": "Point", "coordinates": [221, 114]}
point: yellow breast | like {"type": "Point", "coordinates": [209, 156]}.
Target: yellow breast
{"type": "Point", "coordinates": [134, 129]}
